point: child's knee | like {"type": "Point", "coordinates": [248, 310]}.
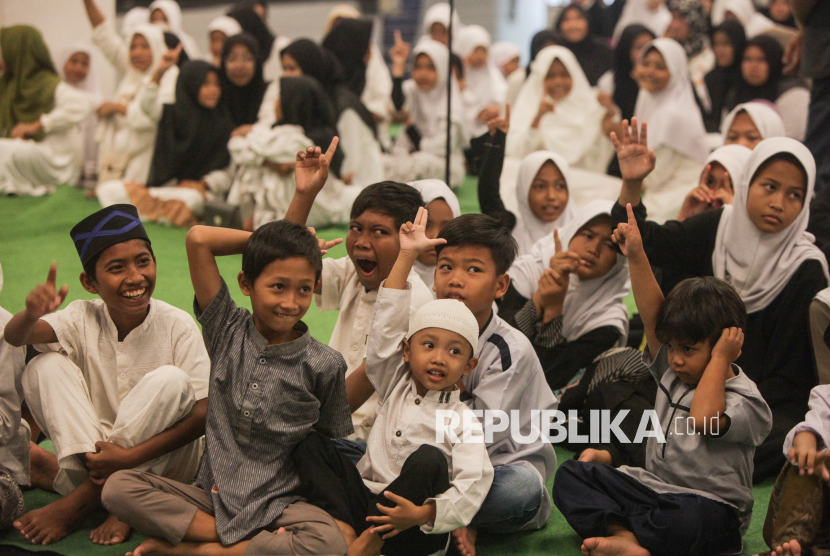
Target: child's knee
{"type": "Point", "coordinates": [429, 460]}
{"type": "Point", "coordinates": [49, 366]}
{"type": "Point", "coordinates": [168, 378]}
{"type": "Point", "coordinates": [119, 490]}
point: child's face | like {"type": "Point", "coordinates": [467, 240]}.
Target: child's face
{"type": "Point", "coordinates": [125, 277]}
{"type": "Point", "coordinates": [158, 16]}
{"type": "Point", "coordinates": [743, 131]}
{"type": "Point", "coordinates": [637, 46]}
{"type": "Point", "coordinates": [468, 273]}
{"type": "Point", "coordinates": [424, 73]}
{"type": "Point", "coordinates": [217, 41]}
{"type": "Point", "coordinates": [510, 66]}
{"type": "Point", "coordinates": [558, 82]}
{"type": "Point", "coordinates": [776, 196]}
{"type": "Point", "coordinates": [290, 67]}
{"type": "Point", "coordinates": [477, 58]}
{"type": "Point", "coordinates": [438, 32]}
{"type": "Point", "coordinates": [595, 249]}
{"type": "Point", "coordinates": [651, 72]}
{"type": "Point", "coordinates": [779, 10]}
{"type": "Point", "coordinates": [689, 361]}
{"type": "Point", "coordinates": [373, 245]}
{"type": "Point", "coordinates": [280, 296]}
{"type": "Point", "coordinates": [548, 194]}
{"type": "Point", "coordinates": [240, 65]}
{"type": "Point", "coordinates": [77, 67]}
{"type": "Point", "coordinates": [723, 48]}
{"type": "Point", "coordinates": [717, 177]}
{"type": "Point", "coordinates": [439, 214]}
{"type": "Point", "coordinates": [210, 91]}
{"type": "Point", "coordinates": [754, 67]}
{"type": "Point", "coordinates": [574, 26]}
{"type": "Point", "coordinates": [678, 29]}
{"type": "Point", "coordinates": [141, 56]}
{"type": "Point", "coordinates": [438, 358]}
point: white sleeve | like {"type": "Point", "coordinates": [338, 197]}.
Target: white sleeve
{"type": "Point", "coordinates": [267, 110]}
{"type": "Point", "coordinates": [68, 325]}
{"type": "Point", "coordinates": [144, 111]}
{"type": "Point", "coordinates": [12, 364]}
{"type": "Point", "coordinates": [191, 356]}
{"type": "Point", "coordinates": [219, 181]}
{"type": "Point", "coordinates": [520, 145]}
{"type": "Point", "coordinates": [71, 108]}
{"type": "Point", "coordinates": [361, 151]}
{"type": "Point", "coordinates": [666, 166]}
{"type": "Point", "coordinates": [378, 91]}
{"type": "Point", "coordinates": [817, 420]}
{"type": "Point", "coordinates": [385, 366]}
{"type": "Point", "coordinates": [794, 106]}
{"type": "Point", "coordinates": [332, 282]}
{"type": "Point", "coordinates": [111, 44]}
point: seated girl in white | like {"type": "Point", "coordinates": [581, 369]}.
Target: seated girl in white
{"type": "Point", "coordinates": [168, 15]}
{"type": "Point", "coordinates": [715, 189]}
{"type": "Point", "coordinates": [750, 123]}
{"type": "Point", "coordinates": [482, 78]}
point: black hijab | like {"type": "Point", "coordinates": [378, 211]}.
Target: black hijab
{"type": "Point", "coordinates": [243, 102]}
{"type": "Point", "coordinates": [349, 41]}
{"type": "Point", "coordinates": [720, 81]}
{"type": "Point", "coordinates": [540, 40]}
{"type": "Point", "coordinates": [304, 103]}
{"type": "Point", "coordinates": [769, 90]}
{"type": "Point", "coordinates": [592, 53]}
{"type": "Point", "coordinates": [192, 140]}
{"type": "Point", "coordinates": [625, 88]}
{"type": "Point", "coordinates": [252, 24]}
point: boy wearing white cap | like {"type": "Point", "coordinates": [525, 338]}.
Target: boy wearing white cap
{"type": "Point", "coordinates": [427, 483]}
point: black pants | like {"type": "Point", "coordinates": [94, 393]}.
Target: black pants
{"type": "Point", "coordinates": [331, 482]}
{"type": "Point", "coordinates": [769, 457]}
{"type": "Point", "coordinates": [591, 494]}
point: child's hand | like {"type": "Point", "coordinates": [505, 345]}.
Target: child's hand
{"type": "Point", "coordinates": [413, 237]}
{"type": "Point", "coordinates": [325, 245]}
{"type": "Point", "coordinates": [729, 345]}
{"type": "Point", "coordinates": [312, 168]}
{"type": "Point", "coordinates": [545, 107]}
{"type": "Point", "coordinates": [399, 54]}
{"type": "Point", "coordinates": [499, 123]}
{"type": "Point", "coordinates": [108, 459]}
{"type": "Point", "coordinates": [400, 518]}
{"type": "Point", "coordinates": [45, 298]}
{"type": "Point", "coordinates": [551, 292]}
{"type": "Point", "coordinates": [636, 159]}
{"type": "Point", "coordinates": [563, 262]}
{"type": "Point", "coordinates": [628, 237]}
{"type": "Point", "coordinates": [805, 455]}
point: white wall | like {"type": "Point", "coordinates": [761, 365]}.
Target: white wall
{"type": "Point", "coordinates": [61, 22]}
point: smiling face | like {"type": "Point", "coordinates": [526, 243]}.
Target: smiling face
{"type": "Point", "coordinates": [573, 27]}
{"type": "Point", "coordinates": [558, 82]}
{"type": "Point", "coordinates": [754, 67]}
{"type": "Point", "coordinates": [158, 16]}
{"type": "Point", "coordinates": [438, 32]}
{"type": "Point", "coordinates": [477, 58]}
{"type": "Point", "coordinates": [689, 361]}
{"type": "Point", "coordinates": [240, 65]}
{"type": "Point", "coordinates": [548, 195]}
{"type": "Point", "coordinates": [280, 296]}
{"type": "Point", "coordinates": [76, 68]}
{"type": "Point", "coordinates": [210, 91]}
{"type": "Point", "coordinates": [651, 72]}
{"type": "Point", "coordinates": [438, 358]}
{"type": "Point", "coordinates": [125, 277]}
{"type": "Point", "coordinates": [468, 273]}
{"type": "Point", "coordinates": [743, 131]}
{"type": "Point", "coordinates": [678, 29]}
{"type": "Point", "coordinates": [217, 41]}
{"type": "Point", "coordinates": [373, 245]}
{"type": "Point", "coordinates": [424, 73]}
{"type": "Point", "coordinates": [439, 214]}
{"type": "Point", "coordinates": [141, 55]}
{"type": "Point", "coordinates": [776, 195]}
{"type": "Point", "coordinates": [595, 249]}
{"type": "Point", "coordinates": [723, 48]}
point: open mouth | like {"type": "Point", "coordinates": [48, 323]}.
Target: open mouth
{"type": "Point", "coordinates": [134, 294]}
{"type": "Point", "coordinates": [436, 375]}
{"type": "Point", "coordinates": [366, 266]}
{"type": "Point", "coordinates": [550, 209]}
{"type": "Point", "coordinates": [454, 295]}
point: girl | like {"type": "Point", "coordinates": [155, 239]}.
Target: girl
{"type": "Point", "coordinates": [558, 111]}
{"type": "Point", "coordinates": [654, 15]}
{"type": "Point", "coordinates": [243, 87]}
{"type": "Point", "coordinates": [715, 187]}
{"type": "Point", "coordinates": [168, 15]}
{"type": "Point", "coordinates": [760, 246]}
{"type": "Point", "coordinates": [75, 67]}
{"type": "Point", "coordinates": [437, 23]}
{"type": "Point", "coordinates": [743, 11]}
{"type": "Point", "coordinates": [593, 54]}
{"type": "Point", "coordinates": [269, 45]}
{"type": "Point", "coordinates": [618, 82]}
{"type": "Point", "coordinates": [422, 103]}
{"type": "Point", "coordinates": [750, 123]}
{"type": "Point", "coordinates": [442, 206]}
{"type": "Point", "coordinates": [506, 57]}
{"type": "Point", "coordinates": [190, 161]}
{"type": "Point", "coordinates": [37, 106]}
{"type": "Point", "coordinates": [689, 27]}
{"type": "Point", "coordinates": [667, 102]}
{"type": "Point", "coordinates": [540, 40]}
{"type": "Point", "coordinates": [762, 79]}
{"type": "Point", "coordinates": [728, 42]}
{"type": "Point", "coordinates": [219, 30]}
{"type": "Point", "coordinates": [482, 79]}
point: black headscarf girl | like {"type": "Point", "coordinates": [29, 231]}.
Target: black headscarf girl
{"type": "Point", "coordinates": [625, 88]}
{"type": "Point", "coordinates": [252, 24]}
{"type": "Point", "coordinates": [349, 41]}
{"type": "Point", "coordinates": [243, 102]}
{"type": "Point", "coordinates": [192, 140]}
{"type": "Point", "coordinates": [721, 80]}
{"type": "Point", "coordinates": [592, 53]}
{"type": "Point", "coordinates": [304, 103]}
{"type": "Point", "coordinates": [775, 85]}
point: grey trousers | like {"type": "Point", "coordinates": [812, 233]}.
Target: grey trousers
{"type": "Point", "coordinates": [163, 508]}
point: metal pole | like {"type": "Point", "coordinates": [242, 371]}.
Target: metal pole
{"type": "Point", "coordinates": [449, 96]}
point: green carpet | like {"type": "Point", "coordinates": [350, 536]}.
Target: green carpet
{"type": "Point", "coordinates": [34, 232]}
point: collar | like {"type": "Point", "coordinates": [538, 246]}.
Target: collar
{"type": "Point", "coordinates": [279, 349]}
{"type": "Point", "coordinates": [439, 397]}
{"type": "Point", "coordinates": [135, 332]}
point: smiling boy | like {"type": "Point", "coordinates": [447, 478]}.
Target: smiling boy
{"type": "Point", "coordinates": [122, 382]}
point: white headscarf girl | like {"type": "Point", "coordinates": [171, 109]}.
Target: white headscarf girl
{"type": "Point", "coordinates": [432, 190]}
{"type": "Point", "coordinates": [134, 79]}
{"type": "Point", "coordinates": [502, 52]}
{"type": "Point", "coordinates": [638, 11]}
{"type": "Point", "coordinates": [759, 264]}
{"type": "Point", "coordinates": [529, 229]}
{"type": "Point", "coordinates": [440, 13]}
{"type": "Point", "coordinates": [486, 83]}
{"type": "Point", "coordinates": [765, 117]}
{"type": "Point", "coordinates": [133, 18]}
{"type": "Point", "coordinates": [754, 22]}
{"type": "Point", "coordinates": [673, 116]}
{"type": "Point", "coordinates": [733, 158]}
{"type": "Point", "coordinates": [573, 128]}
{"type": "Point", "coordinates": [589, 304]}
{"type": "Point", "coordinates": [173, 14]}
{"type": "Point", "coordinates": [89, 86]}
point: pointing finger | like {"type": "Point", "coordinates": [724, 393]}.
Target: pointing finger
{"type": "Point", "coordinates": [556, 241]}
{"type": "Point", "coordinates": [51, 278]}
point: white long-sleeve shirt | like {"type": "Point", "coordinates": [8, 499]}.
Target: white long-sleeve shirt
{"type": "Point", "coordinates": [817, 420]}
{"type": "Point", "coordinates": [14, 432]}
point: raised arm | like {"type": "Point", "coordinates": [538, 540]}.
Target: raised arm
{"type": "Point", "coordinates": [310, 173]}
{"type": "Point", "coordinates": [709, 402]}
{"type": "Point", "coordinates": [204, 244]}
{"type": "Point", "coordinates": [26, 327]}
{"type": "Point", "coordinates": [647, 292]}
{"type": "Point", "coordinates": [96, 17]}
{"type": "Point", "coordinates": [636, 160]}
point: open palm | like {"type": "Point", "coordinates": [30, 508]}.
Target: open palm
{"type": "Point", "coordinates": [413, 235]}
{"type": "Point", "coordinates": [636, 159]}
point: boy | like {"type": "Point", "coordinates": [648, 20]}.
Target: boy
{"type": "Point", "coordinates": [414, 370]}
{"type": "Point", "coordinates": [122, 381]}
{"type": "Point", "coordinates": [271, 384]}
{"type": "Point", "coordinates": [695, 495]}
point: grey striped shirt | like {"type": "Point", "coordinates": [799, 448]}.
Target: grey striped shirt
{"type": "Point", "coordinates": [263, 400]}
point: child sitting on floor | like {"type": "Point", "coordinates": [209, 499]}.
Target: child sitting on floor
{"type": "Point", "coordinates": [429, 488]}
{"type": "Point", "coordinates": [271, 384]}
{"type": "Point", "coordinates": [695, 495]}
{"type": "Point", "coordinates": [442, 206]}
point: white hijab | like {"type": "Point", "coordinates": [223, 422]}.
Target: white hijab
{"type": "Point", "coordinates": [134, 79]}
{"type": "Point", "coordinates": [733, 158]}
{"type": "Point", "coordinates": [637, 11]}
{"type": "Point", "coordinates": [758, 264]}
{"type": "Point", "coordinates": [590, 304]}
{"type": "Point", "coordinates": [173, 13]}
{"type": "Point", "coordinates": [440, 13]}
{"type": "Point", "coordinates": [90, 84]}
{"type": "Point", "coordinates": [225, 24]}
{"type": "Point", "coordinates": [502, 52]}
{"type": "Point", "coordinates": [574, 126]}
{"type": "Point", "coordinates": [529, 229]}
{"type": "Point", "coordinates": [133, 19]}
{"type": "Point", "coordinates": [431, 190]}
{"type": "Point", "coordinates": [486, 83]}
{"type": "Point", "coordinates": [340, 11]}
{"type": "Point", "coordinates": [673, 116]}
{"type": "Point", "coordinates": [765, 117]}
{"type": "Point", "coordinates": [754, 22]}
{"type": "Point", "coordinates": [428, 110]}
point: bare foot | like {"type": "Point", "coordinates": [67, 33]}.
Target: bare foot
{"type": "Point", "coordinates": [618, 545]}
{"type": "Point", "coordinates": [44, 467]}
{"type": "Point", "coordinates": [597, 456]}
{"type": "Point", "coordinates": [112, 531]}
{"type": "Point", "coordinates": [789, 548]}
{"type": "Point", "coordinates": [367, 544]}
{"type": "Point", "coordinates": [60, 518]}
{"type": "Point", "coordinates": [153, 547]}
{"type": "Point", "coordinates": [465, 540]}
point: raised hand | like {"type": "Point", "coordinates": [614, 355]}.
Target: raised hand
{"type": "Point", "coordinates": [729, 345]}
{"type": "Point", "coordinates": [545, 106]}
{"type": "Point", "coordinates": [551, 292]}
{"type": "Point", "coordinates": [168, 60]}
{"type": "Point", "coordinates": [413, 235]}
{"type": "Point", "coordinates": [499, 123]}
{"type": "Point", "coordinates": [627, 235]}
{"type": "Point", "coordinates": [312, 168]}
{"type": "Point", "coordinates": [563, 262]}
{"type": "Point", "coordinates": [45, 298]}
{"type": "Point", "coordinates": [324, 244]}
{"type": "Point", "coordinates": [399, 54]}
{"type": "Point", "coordinates": [636, 159]}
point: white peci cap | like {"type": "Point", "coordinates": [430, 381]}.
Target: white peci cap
{"type": "Point", "coordinates": [447, 314]}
